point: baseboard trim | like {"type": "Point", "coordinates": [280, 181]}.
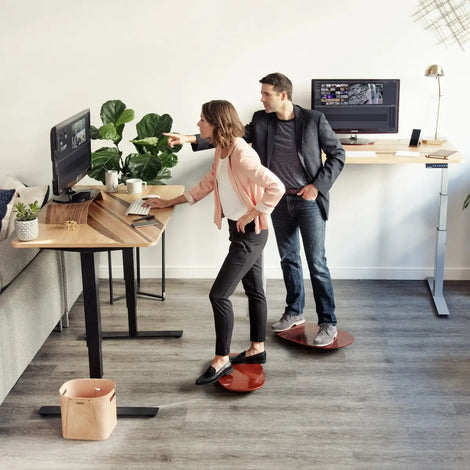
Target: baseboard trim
{"type": "Point", "coordinates": [208, 272]}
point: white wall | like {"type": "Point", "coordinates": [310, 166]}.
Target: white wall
{"type": "Point", "coordinates": [60, 56]}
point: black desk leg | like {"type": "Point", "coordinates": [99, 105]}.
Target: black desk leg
{"type": "Point", "coordinates": [161, 296]}
{"type": "Point", "coordinates": [131, 289]}
{"type": "Point", "coordinates": [92, 309]}
{"type": "Point", "coordinates": [93, 326]}
{"type": "Point", "coordinates": [110, 277]}
{"type": "Point", "coordinates": [148, 294]}
{"type": "Point", "coordinates": [121, 411]}
{"type": "Point", "coordinates": [131, 302]}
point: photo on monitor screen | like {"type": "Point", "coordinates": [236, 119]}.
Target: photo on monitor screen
{"type": "Point", "coordinates": [366, 93]}
{"type": "Point", "coordinates": [78, 133]}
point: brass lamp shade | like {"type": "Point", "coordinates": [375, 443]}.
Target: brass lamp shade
{"type": "Point", "coordinates": [434, 70]}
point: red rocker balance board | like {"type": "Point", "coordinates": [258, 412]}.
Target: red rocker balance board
{"type": "Point", "coordinates": [305, 334]}
{"type": "Point", "coordinates": [244, 378]}
{"type": "Point", "coordinates": [250, 377]}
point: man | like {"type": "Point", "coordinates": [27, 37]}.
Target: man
{"type": "Point", "coordinates": [289, 140]}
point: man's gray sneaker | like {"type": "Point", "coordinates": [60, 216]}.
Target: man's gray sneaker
{"type": "Point", "coordinates": [287, 321]}
{"type": "Point", "coordinates": [326, 335]}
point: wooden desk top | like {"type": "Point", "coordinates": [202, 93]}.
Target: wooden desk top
{"type": "Point", "coordinates": [385, 152]}
{"type": "Point", "coordinates": [105, 223]}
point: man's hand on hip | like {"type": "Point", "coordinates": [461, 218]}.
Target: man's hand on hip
{"type": "Point", "coordinates": [309, 192]}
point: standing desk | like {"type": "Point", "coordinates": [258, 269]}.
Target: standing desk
{"type": "Point", "coordinates": [385, 155]}
{"type": "Point", "coordinates": [102, 225]}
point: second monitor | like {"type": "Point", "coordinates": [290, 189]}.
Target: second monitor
{"type": "Point", "coordinates": [358, 106]}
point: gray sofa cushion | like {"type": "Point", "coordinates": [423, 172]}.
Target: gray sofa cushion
{"type": "Point", "coordinates": [13, 260]}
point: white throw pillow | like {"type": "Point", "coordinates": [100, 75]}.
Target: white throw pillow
{"type": "Point", "coordinates": [10, 182]}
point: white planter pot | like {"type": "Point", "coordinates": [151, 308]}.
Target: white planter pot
{"type": "Point", "coordinates": [27, 230]}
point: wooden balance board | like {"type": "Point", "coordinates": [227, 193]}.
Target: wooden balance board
{"type": "Point", "coordinates": [244, 378]}
{"type": "Point", "coordinates": [305, 334]}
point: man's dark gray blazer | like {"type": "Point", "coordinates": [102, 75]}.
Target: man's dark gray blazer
{"type": "Point", "coordinates": [313, 134]}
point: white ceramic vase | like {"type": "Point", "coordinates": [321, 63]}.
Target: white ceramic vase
{"type": "Point", "coordinates": [27, 230]}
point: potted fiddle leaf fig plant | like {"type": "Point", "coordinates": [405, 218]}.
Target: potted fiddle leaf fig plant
{"type": "Point", "coordinates": [153, 157]}
{"type": "Point", "coordinates": [26, 222]}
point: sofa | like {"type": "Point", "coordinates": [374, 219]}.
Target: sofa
{"type": "Point", "coordinates": [37, 289]}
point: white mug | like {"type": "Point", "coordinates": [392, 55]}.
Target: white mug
{"type": "Point", "coordinates": [134, 185]}
{"type": "Point", "coordinates": [111, 180]}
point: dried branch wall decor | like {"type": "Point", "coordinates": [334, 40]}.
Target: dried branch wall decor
{"type": "Point", "coordinates": [448, 20]}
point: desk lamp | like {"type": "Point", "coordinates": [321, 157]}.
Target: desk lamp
{"type": "Point", "coordinates": [435, 71]}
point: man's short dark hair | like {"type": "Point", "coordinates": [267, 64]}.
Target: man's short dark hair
{"type": "Point", "coordinates": [279, 82]}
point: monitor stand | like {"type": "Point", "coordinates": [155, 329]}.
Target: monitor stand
{"type": "Point", "coordinates": [354, 140]}
{"type": "Point", "coordinates": [57, 213]}
{"type": "Point", "coordinates": [71, 196]}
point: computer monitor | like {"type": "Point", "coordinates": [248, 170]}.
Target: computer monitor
{"type": "Point", "coordinates": [71, 157]}
{"type": "Point", "coordinates": [365, 106]}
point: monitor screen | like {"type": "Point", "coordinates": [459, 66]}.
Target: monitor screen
{"type": "Point", "coordinates": [366, 106]}
{"type": "Point", "coordinates": [71, 157]}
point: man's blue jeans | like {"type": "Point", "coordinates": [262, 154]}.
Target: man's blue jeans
{"type": "Point", "coordinates": [292, 215]}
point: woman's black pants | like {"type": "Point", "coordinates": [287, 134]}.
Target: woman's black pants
{"type": "Point", "coordinates": [243, 263]}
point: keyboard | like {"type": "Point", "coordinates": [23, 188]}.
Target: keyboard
{"type": "Point", "coordinates": [360, 153]}
{"type": "Point", "coordinates": [136, 208]}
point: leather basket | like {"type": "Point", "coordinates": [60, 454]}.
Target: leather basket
{"type": "Point", "coordinates": [88, 409]}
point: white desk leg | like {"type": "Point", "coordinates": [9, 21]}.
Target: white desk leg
{"type": "Point", "coordinates": [436, 284]}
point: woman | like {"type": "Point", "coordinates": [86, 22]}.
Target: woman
{"type": "Point", "coordinates": [246, 193]}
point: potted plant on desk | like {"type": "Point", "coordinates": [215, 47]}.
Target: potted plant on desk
{"type": "Point", "coordinates": [153, 156]}
{"type": "Point", "coordinates": [26, 222]}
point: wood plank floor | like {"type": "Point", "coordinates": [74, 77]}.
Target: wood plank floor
{"type": "Point", "coordinates": [397, 398]}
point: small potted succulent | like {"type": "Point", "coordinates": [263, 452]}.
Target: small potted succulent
{"type": "Point", "coordinates": [26, 222]}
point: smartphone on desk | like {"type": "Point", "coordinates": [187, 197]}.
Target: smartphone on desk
{"type": "Point", "coordinates": [145, 223]}
{"type": "Point", "coordinates": [414, 139]}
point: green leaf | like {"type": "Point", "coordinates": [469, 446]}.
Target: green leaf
{"type": "Point", "coordinates": [150, 141]}
{"type": "Point", "coordinates": [105, 158]}
{"type": "Point", "coordinates": [109, 132]}
{"type": "Point", "coordinates": [111, 111]}
{"type": "Point", "coordinates": [145, 166]}
{"type": "Point", "coordinates": [125, 172]}
{"type": "Point", "coordinates": [153, 125]}
{"type": "Point", "coordinates": [119, 130]}
{"type": "Point", "coordinates": [164, 174]}
{"type": "Point", "coordinates": [169, 159]}
{"type": "Point", "coordinates": [126, 116]}
{"type": "Point", "coordinates": [147, 145]}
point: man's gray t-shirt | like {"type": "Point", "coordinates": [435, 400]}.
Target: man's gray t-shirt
{"type": "Point", "coordinates": [285, 162]}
